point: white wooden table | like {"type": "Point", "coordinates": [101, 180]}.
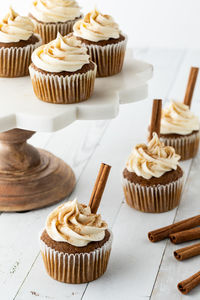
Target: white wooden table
{"type": "Point", "coordinates": [138, 269]}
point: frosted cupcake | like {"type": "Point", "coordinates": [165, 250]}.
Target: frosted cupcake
{"type": "Point", "coordinates": [53, 16]}
{"type": "Point", "coordinates": [75, 244]}
{"type": "Point", "coordinates": [180, 129]}
{"type": "Point", "coordinates": [104, 40]}
{"type": "Point", "coordinates": [62, 71]}
{"type": "Point", "coordinates": [152, 179]}
{"type": "Point", "coordinates": [17, 42]}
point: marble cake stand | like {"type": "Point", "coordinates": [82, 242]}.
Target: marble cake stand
{"type": "Point", "coordinates": [32, 178]}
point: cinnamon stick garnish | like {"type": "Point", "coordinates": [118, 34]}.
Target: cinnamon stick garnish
{"type": "Point", "coordinates": [164, 232]}
{"type": "Point", "coordinates": [190, 86]}
{"type": "Point", "coordinates": [155, 118]}
{"type": "Point", "coordinates": [187, 252]}
{"type": "Point", "coordinates": [185, 236]}
{"type": "Point", "coordinates": [188, 284]}
{"type": "Point", "coordinates": [99, 187]}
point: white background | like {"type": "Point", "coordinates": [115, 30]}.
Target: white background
{"type": "Point", "coordinates": [148, 23]}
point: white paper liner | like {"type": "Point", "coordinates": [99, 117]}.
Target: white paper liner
{"type": "Point", "coordinates": [153, 199]}
{"type": "Point", "coordinates": [79, 267]}
{"type": "Point", "coordinates": [109, 58]}
{"type": "Point", "coordinates": [48, 31]}
{"type": "Point", "coordinates": [63, 90]}
{"type": "Point", "coordinates": [186, 146]}
{"type": "Point", "coordinates": [15, 61]}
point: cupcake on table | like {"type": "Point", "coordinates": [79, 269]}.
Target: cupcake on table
{"type": "Point", "coordinates": [104, 41]}
{"type": "Point", "coordinates": [17, 42]}
{"type": "Point", "coordinates": [62, 71]}
{"type": "Point", "coordinates": [53, 16]}
{"type": "Point", "coordinates": [76, 242]}
{"type": "Point", "coordinates": [179, 126]}
{"type": "Point", "coordinates": [152, 178]}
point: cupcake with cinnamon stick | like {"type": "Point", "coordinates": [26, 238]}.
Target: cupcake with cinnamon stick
{"type": "Point", "coordinates": [104, 41]}
{"type": "Point", "coordinates": [62, 71]}
{"type": "Point", "coordinates": [76, 242]}
{"type": "Point", "coordinates": [17, 43]}
{"type": "Point", "coordinates": [152, 178]}
{"type": "Point", "coordinates": [53, 16]}
{"type": "Point", "coordinates": [179, 126]}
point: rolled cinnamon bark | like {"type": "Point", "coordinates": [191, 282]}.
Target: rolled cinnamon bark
{"type": "Point", "coordinates": [191, 85]}
{"type": "Point", "coordinates": [185, 236]}
{"type": "Point", "coordinates": [155, 118]}
{"type": "Point", "coordinates": [188, 284]}
{"type": "Point", "coordinates": [99, 187]}
{"type": "Point", "coordinates": [187, 252]}
{"type": "Point", "coordinates": [164, 232]}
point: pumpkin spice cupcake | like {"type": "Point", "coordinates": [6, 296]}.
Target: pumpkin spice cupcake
{"type": "Point", "coordinates": [152, 179]}
{"type": "Point", "coordinates": [76, 242]}
{"type": "Point", "coordinates": [17, 42]}
{"type": "Point", "coordinates": [179, 126]}
{"type": "Point", "coordinates": [53, 16]}
{"type": "Point", "coordinates": [62, 71]}
{"type": "Point", "coordinates": [104, 41]}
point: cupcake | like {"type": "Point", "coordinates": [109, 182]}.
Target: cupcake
{"type": "Point", "coordinates": [53, 16]}
{"type": "Point", "coordinates": [152, 179]}
{"type": "Point", "coordinates": [75, 244]}
{"type": "Point", "coordinates": [17, 42]}
{"type": "Point", "coordinates": [62, 71]}
{"type": "Point", "coordinates": [104, 41]}
{"type": "Point", "coordinates": [180, 129]}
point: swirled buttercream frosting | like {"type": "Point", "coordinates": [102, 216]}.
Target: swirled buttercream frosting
{"type": "Point", "coordinates": [153, 159]}
{"type": "Point", "coordinates": [48, 11]}
{"type": "Point", "coordinates": [14, 28]}
{"type": "Point", "coordinates": [96, 27]}
{"type": "Point", "coordinates": [178, 119]}
{"type": "Point", "coordinates": [74, 223]}
{"type": "Point", "coordinates": [62, 54]}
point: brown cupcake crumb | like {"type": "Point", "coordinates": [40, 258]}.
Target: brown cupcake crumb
{"type": "Point", "coordinates": [104, 42]}
{"type": "Point", "coordinates": [175, 135]}
{"type": "Point", "coordinates": [31, 41]}
{"type": "Point", "coordinates": [166, 178]}
{"type": "Point", "coordinates": [67, 248]}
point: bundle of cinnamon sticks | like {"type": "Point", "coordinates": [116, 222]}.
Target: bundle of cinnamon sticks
{"type": "Point", "coordinates": [180, 232]}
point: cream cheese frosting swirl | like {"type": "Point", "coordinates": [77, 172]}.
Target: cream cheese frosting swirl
{"type": "Point", "coordinates": [14, 28]}
{"type": "Point", "coordinates": [48, 11]}
{"type": "Point", "coordinates": [62, 54]}
{"type": "Point", "coordinates": [178, 119]}
{"type": "Point", "coordinates": [75, 224]}
{"type": "Point", "coordinates": [153, 159]}
{"type": "Point", "coordinates": [96, 27]}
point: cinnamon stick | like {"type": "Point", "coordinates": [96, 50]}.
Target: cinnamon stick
{"type": "Point", "coordinates": [185, 236]}
{"type": "Point", "coordinates": [187, 252]}
{"type": "Point", "coordinates": [164, 232]}
{"type": "Point", "coordinates": [155, 118]}
{"type": "Point", "coordinates": [188, 284]}
{"type": "Point", "coordinates": [99, 187]}
{"type": "Point", "coordinates": [190, 86]}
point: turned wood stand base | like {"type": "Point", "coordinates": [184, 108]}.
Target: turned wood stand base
{"type": "Point", "coordinates": [30, 178]}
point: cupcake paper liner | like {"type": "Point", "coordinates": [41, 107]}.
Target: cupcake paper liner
{"type": "Point", "coordinates": [153, 199]}
{"type": "Point", "coordinates": [15, 61]}
{"type": "Point", "coordinates": [109, 59]}
{"type": "Point", "coordinates": [48, 31]}
{"type": "Point", "coordinates": [186, 146]}
{"type": "Point", "coordinates": [63, 90]}
{"type": "Point", "coordinates": [79, 267]}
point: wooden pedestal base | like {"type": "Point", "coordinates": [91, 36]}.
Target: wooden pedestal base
{"type": "Point", "coordinates": [30, 178]}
